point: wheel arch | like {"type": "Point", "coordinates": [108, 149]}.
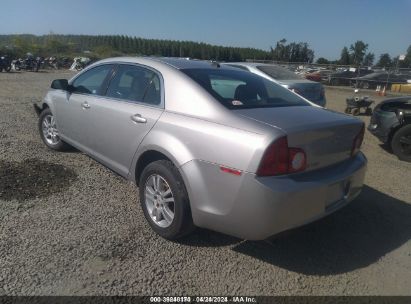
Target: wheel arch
{"type": "Point", "coordinates": [40, 108]}
{"type": "Point", "coordinates": [157, 145]}
{"type": "Point", "coordinates": [145, 159]}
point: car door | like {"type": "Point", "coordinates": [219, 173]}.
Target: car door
{"type": "Point", "coordinates": [71, 106]}
{"type": "Point", "coordinates": [118, 121]}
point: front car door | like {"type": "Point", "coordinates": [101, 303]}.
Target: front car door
{"type": "Point", "coordinates": [118, 121]}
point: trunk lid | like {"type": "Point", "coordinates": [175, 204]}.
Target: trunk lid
{"type": "Point", "coordinates": [327, 137]}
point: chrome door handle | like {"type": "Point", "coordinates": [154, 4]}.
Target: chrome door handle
{"type": "Point", "coordinates": [85, 105]}
{"type": "Point", "coordinates": [138, 118]}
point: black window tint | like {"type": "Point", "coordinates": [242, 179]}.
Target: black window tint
{"type": "Point", "coordinates": [134, 83]}
{"type": "Point", "coordinates": [91, 82]}
{"type": "Point", "coordinates": [238, 89]}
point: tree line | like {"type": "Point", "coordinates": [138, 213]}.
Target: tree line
{"type": "Point", "coordinates": [101, 46]}
{"type": "Point", "coordinates": [357, 55]}
{"type": "Point", "coordinates": [108, 45]}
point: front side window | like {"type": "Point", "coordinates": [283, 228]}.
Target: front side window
{"type": "Point", "coordinates": [237, 89]}
{"type": "Point", "coordinates": [91, 81]}
{"type": "Point", "coordinates": [138, 84]}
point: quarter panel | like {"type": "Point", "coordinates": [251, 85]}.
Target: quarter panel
{"type": "Point", "coordinates": [211, 142]}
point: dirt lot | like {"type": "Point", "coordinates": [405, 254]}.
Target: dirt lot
{"type": "Point", "coordinates": [70, 226]}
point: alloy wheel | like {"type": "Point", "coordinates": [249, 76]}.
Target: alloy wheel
{"type": "Point", "coordinates": [50, 132]}
{"type": "Point", "coordinates": [159, 200]}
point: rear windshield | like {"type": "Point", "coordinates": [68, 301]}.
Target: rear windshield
{"type": "Point", "coordinates": [237, 89]}
{"type": "Point", "coordinates": [278, 73]}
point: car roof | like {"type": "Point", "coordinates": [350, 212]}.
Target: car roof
{"type": "Point", "coordinates": [186, 63]}
{"type": "Point", "coordinates": [175, 62]}
{"type": "Point", "coordinates": [250, 64]}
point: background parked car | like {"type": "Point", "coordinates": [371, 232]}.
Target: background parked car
{"type": "Point", "coordinates": [313, 76]}
{"type": "Point", "coordinates": [5, 63]}
{"type": "Point", "coordinates": [345, 77]}
{"type": "Point", "coordinates": [311, 90]}
{"type": "Point", "coordinates": [371, 81]}
{"type": "Point", "coordinates": [391, 123]}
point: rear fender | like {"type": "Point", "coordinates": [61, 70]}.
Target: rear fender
{"type": "Point", "coordinates": [171, 147]}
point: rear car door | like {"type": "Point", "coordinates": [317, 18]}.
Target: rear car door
{"type": "Point", "coordinates": [118, 121]}
{"type": "Point", "coordinates": [71, 107]}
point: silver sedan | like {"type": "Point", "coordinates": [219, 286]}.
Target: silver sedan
{"type": "Point", "coordinates": [208, 145]}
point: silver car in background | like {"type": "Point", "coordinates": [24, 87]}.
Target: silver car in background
{"type": "Point", "coordinates": [208, 145]}
{"type": "Point", "coordinates": [311, 90]}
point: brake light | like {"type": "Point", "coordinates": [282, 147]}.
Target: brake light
{"type": "Point", "coordinates": [279, 159]}
{"type": "Point", "coordinates": [358, 141]}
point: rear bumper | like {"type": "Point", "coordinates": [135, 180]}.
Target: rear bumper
{"type": "Point", "coordinates": [256, 208]}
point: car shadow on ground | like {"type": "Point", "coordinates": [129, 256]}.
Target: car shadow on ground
{"type": "Point", "coordinates": [354, 237]}
{"type": "Point", "coordinates": [207, 238]}
{"type": "Point", "coordinates": [386, 148]}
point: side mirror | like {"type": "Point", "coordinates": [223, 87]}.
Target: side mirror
{"type": "Point", "coordinates": [60, 84]}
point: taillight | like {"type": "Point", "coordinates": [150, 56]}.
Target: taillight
{"type": "Point", "coordinates": [280, 159]}
{"type": "Point", "coordinates": [358, 141]}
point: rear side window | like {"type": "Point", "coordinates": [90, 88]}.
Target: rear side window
{"type": "Point", "coordinates": [135, 84]}
{"type": "Point", "coordinates": [237, 89]}
{"type": "Point", "coordinates": [91, 81]}
{"type": "Point", "coordinates": [278, 73]}
{"type": "Point", "coordinates": [238, 66]}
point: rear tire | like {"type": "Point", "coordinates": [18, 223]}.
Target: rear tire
{"type": "Point", "coordinates": [401, 143]}
{"type": "Point", "coordinates": [49, 133]}
{"type": "Point", "coordinates": [170, 220]}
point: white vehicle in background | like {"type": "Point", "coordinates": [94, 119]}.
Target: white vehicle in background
{"type": "Point", "coordinates": [80, 63]}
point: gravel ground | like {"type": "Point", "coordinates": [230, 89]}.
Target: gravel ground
{"type": "Point", "coordinates": [69, 226]}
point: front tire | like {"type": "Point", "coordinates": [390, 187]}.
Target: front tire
{"type": "Point", "coordinates": [401, 143]}
{"type": "Point", "coordinates": [164, 200]}
{"type": "Point", "coordinates": [49, 132]}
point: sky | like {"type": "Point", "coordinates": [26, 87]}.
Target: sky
{"type": "Point", "coordinates": [327, 26]}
